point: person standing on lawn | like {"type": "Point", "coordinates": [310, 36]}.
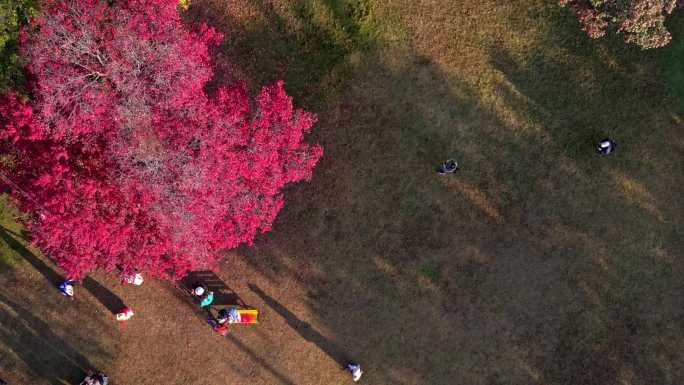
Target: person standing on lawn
{"type": "Point", "coordinates": [355, 370]}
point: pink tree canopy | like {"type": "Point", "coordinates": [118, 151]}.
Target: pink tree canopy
{"type": "Point", "coordinates": [125, 162]}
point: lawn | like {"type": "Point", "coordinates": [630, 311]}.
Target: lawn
{"type": "Point", "coordinates": [538, 262]}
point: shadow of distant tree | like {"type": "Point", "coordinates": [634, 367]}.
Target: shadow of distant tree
{"type": "Point", "coordinates": [52, 277]}
{"type": "Point", "coordinates": [304, 54]}
{"type": "Point", "coordinates": [31, 338]}
{"type": "Point", "coordinates": [548, 269]}
{"type": "Point", "coordinates": [105, 296]}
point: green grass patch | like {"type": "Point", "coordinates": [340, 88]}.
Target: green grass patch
{"type": "Point", "coordinates": [430, 271]}
{"type": "Point", "coordinates": [11, 233]}
{"type": "Point", "coordinates": [674, 62]}
{"type": "Point", "coordinates": [13, 14]}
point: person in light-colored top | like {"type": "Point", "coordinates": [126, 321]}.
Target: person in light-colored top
{"type": "Point", "coordinates": [66, 287]}
{"type": "Point", "coordinates": [606, 146]}
{"type": "Point", "coordinates": [355, 370]}
{"type": "Point", "coordinates": [98, 378]}
{"type": "Point", "coordinates": [205, 296]}
{"type": "Point", "coordinates": [448, 167]}
{"type": "Point", "coordinates": [124, 314]}
{"type": "Point", "coordinates": [135, 279]}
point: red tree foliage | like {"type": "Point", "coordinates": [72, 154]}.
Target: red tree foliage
{"type": "Point", "coordinates": [126, 162]}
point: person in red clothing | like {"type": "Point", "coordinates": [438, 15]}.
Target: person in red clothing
{"type": "Point", "coordinates": [124, 314]}
{"type": "Point", "coordinates": [220, 323]}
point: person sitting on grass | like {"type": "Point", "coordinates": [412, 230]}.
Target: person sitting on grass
{"type": "Point", "coordinates": [124, 314]}
{"type": "Point", "coordinates": [220, 324]}
{"type": "Point", "coordinates": [223, 319]}
{"type": "Point", "coordinates": [66, 287]}
{"type": "Point", "coordinates": [135, 279]}
{"type": "Point", "coordinates": [355, 370]}
{"type": "Point", "coordinates": [448, 167]}
{"type": "Point", "coordinates": [606, 146]}
{"type": "Point", "coordinates": [205, 296]}
{"type": "Point", "coordinates": [98, 378]}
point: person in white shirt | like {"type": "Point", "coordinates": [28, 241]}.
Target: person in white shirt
{"type": "Point", "coordinates": [98, 378]}
{"type": "Point", "coordinates": [606, 146]}
{"type": "Point", "coordinates": [355, 370]}
{"type": "Point", "coordinates": [448, 167]}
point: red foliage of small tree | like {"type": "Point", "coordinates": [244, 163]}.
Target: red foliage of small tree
{"type": "Point", "coordinates": [641, 21]}
{"type": "Point", "coordinates": [125, 160]}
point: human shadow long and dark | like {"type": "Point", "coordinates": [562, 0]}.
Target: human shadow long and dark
{"type": "Point", "coordinates": [303, 328]}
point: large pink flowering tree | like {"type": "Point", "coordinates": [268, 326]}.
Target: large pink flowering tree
{"type": "Point", "coordinates": [122, 159]}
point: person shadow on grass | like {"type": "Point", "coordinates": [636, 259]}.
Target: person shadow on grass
{"type": "Point", "coordinates": [304, 329]}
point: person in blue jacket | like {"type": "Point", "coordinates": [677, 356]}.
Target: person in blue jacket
{"type": "Point", "coordinates": [66, 287]}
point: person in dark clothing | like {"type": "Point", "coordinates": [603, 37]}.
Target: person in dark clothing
{"type": "Point", "coordinates": [98, 378]}
{"type": "Point", "coordinates": [220, 323]}
{"type": "Point", "coordinates": [447, 167]}
{"type": "Point", "coordinates": [606, 147]}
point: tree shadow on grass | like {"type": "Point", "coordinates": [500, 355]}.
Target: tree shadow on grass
{"type": "Point", "coordinates": [50, 275]}
{"type": "Point", "coordinates": [33, 341]}
{"type": "Point", "coordinates": [533, 231]}
{"type": "Point", "coordinates": [613, 219]}
{"type": "Point", "coordinates": [106, 297]}
{"type": "Point", "coordinates": [519, 236]}
{"type": "Point", "coordinates": [272, 48]}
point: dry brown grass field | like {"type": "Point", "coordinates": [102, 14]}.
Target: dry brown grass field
{"type": "Point", "coordinates": [537, 263]}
